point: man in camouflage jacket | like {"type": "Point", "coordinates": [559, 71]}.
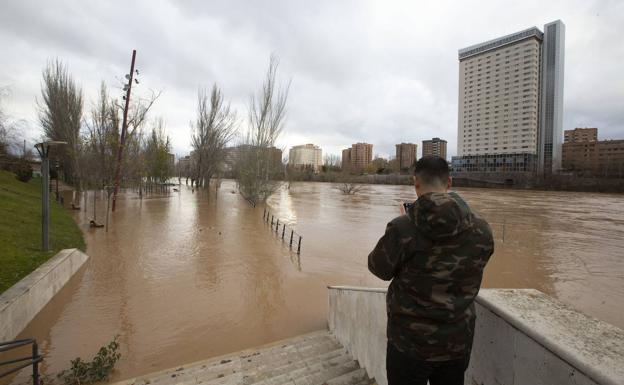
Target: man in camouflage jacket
{"type": "Point", "coordinates": [435, 255]}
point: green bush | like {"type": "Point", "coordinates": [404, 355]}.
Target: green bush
{"type": "Point", "coordinates": [99, 369]}
{"type": "Point", "coordinates": [23, 171]}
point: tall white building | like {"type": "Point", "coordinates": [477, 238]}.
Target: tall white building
{"type": "Point", "coordinates": [511, 102]}
{"type": "Point", "coordinates": [306, 155]}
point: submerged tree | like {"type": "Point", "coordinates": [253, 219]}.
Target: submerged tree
{"type": "Point", "coordinates": [60, 115]}
{"type": "Point", "coordinates": [158, 167]}
{"type": "Point", "coordinates": [101, 142]}
{"type": "Point", "coordinates": [258, 165]}
{"type": "Point", "coordinates": [102, 136]}
{"type": "Point", "coordinates": [213, 130]}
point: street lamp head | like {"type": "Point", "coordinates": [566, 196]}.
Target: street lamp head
{"type": "Point", "coordinates": [44, 147]}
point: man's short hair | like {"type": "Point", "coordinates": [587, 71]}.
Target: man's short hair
{"type": "Point", "coordinates": [432, 170]}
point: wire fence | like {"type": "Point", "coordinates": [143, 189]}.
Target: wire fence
{"type": "Point", "coordinates": [280, 227]}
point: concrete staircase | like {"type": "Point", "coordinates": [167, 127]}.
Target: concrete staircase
{"type": "Point", "coordinates": [311, 359]}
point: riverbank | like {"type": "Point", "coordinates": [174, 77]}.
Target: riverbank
{"type": "Point", "coordinates": [517, 181]}
{"type": "Point", "coordinates": [20, 229]}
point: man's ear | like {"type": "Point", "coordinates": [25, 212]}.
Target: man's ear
{"type": "Point", "coordinates": [449, 183]}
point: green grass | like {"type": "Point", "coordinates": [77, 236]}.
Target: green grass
{"type": "Point", "coordinates": [20, 229]}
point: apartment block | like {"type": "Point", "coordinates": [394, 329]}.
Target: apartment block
{"type": "Point", "coordinates": [358, 156]}
{"type": "Point", "coordinates": [581, 135]}
{"type": "Point", "coordinates": [511, 98]}
{"type": "Point", "coordinates": [584, 155]}
{"type": "Point", "coordinates": [435, 146]}
{"type": "Point", "coordinates": [406, 155]}
{"type": "Point", "coordinates": [233, 156]}
{"type": "Point", "coordinates": [306, 155]}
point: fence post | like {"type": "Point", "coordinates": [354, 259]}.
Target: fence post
{"type": "Point", "coordinates": [277, 226]}
{"type": "Point", "coordinates": [291, 236]}
{"type": "Point", "coordinates": [35, 353]}
{"type": "Point", "coordinates": [271, 220]}
{"type": "Point", "coordinates": [283, 230]}
{"type": "Point", "coordinates": [299, 247]}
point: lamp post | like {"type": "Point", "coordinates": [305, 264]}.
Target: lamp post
{"type": "Point", "coordinates": [44, 151]}
{"type": "Point", "coordinates": [56, 169]}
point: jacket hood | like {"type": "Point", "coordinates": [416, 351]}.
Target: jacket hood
{"type": "Point", "coordinates": [441, 215]}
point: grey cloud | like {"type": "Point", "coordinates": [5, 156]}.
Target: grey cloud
{"type": "Point", "coordinates": [376, 71]}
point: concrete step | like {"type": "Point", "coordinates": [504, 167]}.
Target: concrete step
{"type": "Point", "coordinates": [311, 359]}
{"type": "Point", "coordinates": [299, 370]}
{"type": "Point", "coordinates": [258, 362]}
{"type": "Point", "coordinates": [244, 360]}
{"type": "Point", "coordinates": [355, 377]}
{"type": "Point", "coordinates": [284, 368]}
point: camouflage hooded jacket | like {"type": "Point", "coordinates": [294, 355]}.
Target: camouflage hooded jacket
{"type": "Point", "coordinates": [435, 256]}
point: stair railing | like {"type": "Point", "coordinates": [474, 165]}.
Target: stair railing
{"type": "Point", "coordinates": [20, 363]}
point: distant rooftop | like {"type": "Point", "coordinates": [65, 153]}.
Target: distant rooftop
{"type": "Point", "coordinates": [499, 42]}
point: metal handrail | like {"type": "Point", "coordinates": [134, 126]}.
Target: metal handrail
{"type": "Point", "coordinates": [34, 359]}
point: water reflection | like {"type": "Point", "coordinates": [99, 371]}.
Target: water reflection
{"type": "Point", "coordinates": [198, 274]}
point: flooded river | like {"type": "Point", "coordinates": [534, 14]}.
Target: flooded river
{"type": "Point", "coordinates": [195, 275]}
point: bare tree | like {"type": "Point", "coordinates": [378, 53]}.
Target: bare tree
{"type": "Point", "coordinates": [267, 112]}
{"type": "Point", "coordinates": [350, 187]}
{"type": "Point", "coordinates": [213, 130]}
{"type": "Point", "coordinates": [101, 142]}
{"type": "Point", "coordinates": [6, 136]}
{"type": "Point", "coordinates": [331, 160]}
{"type": "Point", "coordinates": [60, 115]}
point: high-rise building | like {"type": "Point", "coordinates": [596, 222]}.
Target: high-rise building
{"type": "Point", "coordinates": [435, 146]}
{"type": "Point", "coordinates": [406, 155]}
{"type": "Point", "coordinates": [306, 155]}
{"type": "Point", "coordinates": [358, 156]}
{"type": "Point", "coordinates": [581, 135]}
{"type": "Point", "coordinates": [361, 155]}
{"type": "Point", "coordinates": [511, 102]}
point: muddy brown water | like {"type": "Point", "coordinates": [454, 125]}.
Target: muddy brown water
{"type": "Point", "coordinates": [196, 275]}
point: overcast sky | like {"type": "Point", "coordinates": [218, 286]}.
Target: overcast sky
{"type": "Point", "coordinates": [383, 72]}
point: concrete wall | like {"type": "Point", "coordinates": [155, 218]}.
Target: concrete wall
{"type": "Point", "coordinates": [522, 337]}
{"type": "Point", "coordinates": [22, 301]}
{"type": "Point", "coordinates": [357, 317]}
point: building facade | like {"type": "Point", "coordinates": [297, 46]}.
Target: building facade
{"type": "Point", "coordinates": [584, 155]}
{"type": "Point", "coordinates": [435, 146]}
{"type": "Point", "coordinates": [306, 155]}
{"type": "Point", "coordinates": [551, 99]}
{"type": "Point", "coordinates": [184, 166]}
{"type": "Point", "coordinates": [346, 159]}
{"type": "Point", "coordinates": [406, 155]}
{"type": "Point", "coordinates": [233, 156]}
{"type": "Point", "coordinates": [581, 135]}
{"type": "Point", "coordinates": [172, 162]}
{"type": "Point", "coordinates": [357, 157]}
{"type": "Point", "coordinates": [511, 99]}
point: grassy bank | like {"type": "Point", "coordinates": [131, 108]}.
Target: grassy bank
{"type": "Point", "coordinates": [20, 229]}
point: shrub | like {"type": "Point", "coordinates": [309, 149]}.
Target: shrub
{"type": "Point", "coordinates": [23, 171]}
{"type": "Point", "coordinates": [99, 369]}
